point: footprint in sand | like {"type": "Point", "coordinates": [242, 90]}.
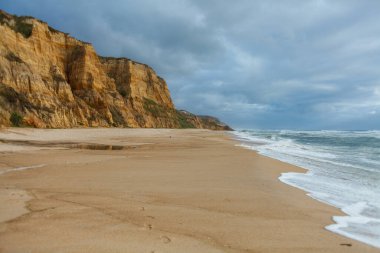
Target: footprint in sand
{"type": "Point", "coordinates": [148, 226]}
{"type": "Point", "coordinates": [165, 239]}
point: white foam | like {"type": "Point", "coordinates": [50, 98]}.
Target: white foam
{"type": "Point", "coordinates": [333, 181]}
{"type": "Point", "coordinates": [290, 148]}
{"type": "Point", "coordinates": [357, 226]}
{"type": "Point", "coordinates": [244, 136]}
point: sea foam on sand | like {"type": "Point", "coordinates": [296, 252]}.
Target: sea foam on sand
{"type": "Point", "coordinates": [342, 171]}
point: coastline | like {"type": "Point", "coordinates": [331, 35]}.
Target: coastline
{"type": "Point", "coordinates": [170, 191]}
{"type": "Point", "coordinates": [333, 175]}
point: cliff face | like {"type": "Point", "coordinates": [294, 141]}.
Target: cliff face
{"type": "Point", "coordinates": [49, 79]}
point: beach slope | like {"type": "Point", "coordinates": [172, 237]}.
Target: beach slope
{"type": "Point", "coordinates": [149, 190]}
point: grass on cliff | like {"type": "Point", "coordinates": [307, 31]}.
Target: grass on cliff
{"type": "Point", "coordinates": [159, 111]}
{"type": "Point", "coordinates": [20, 25]}
{"type": "Point", "coordinates": [154, 109]}
{"type": "Point", "coordinates": [182, 120]}
{"type": "Point", "coordinates": [16, 119]}
{"type": "Point", "coordinates": [52, 30]}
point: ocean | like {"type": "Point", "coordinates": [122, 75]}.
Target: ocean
{"type": "Point", "coordinates": [343, 170]}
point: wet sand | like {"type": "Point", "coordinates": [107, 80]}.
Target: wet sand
{"type": "Point", "coordinates": [167, 191]}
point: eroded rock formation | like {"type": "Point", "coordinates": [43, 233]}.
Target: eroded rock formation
{"type": "Point", "coordinates": [51, 79]}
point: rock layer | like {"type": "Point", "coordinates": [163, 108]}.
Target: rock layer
{"type": "Point", "coordinates": [52, 80]}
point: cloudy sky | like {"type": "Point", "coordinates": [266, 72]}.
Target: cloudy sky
{"type": "Point", "coordinates": [254, 64]}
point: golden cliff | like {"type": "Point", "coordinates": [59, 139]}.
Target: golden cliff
{"type": "Point", "coordinates": [50, 79]}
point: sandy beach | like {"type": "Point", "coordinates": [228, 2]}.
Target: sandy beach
{"type": "Point", "coordinates": [149, 190]}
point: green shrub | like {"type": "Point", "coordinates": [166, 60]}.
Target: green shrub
{"type": "Point", "coordinates": [19, 26]}
{"type": "Point", "coordinates": [182, 120]}
{"type": "Point", "coordinates": [154, 109]}
{"type": "Point", "coordinates": [24, 28]}
{"type": "Point", "coordinates": [16, 119]}
{"type": "Point", "coordinates": [52, 30]}
{"type": "Point", "coordinates": [3, 18]}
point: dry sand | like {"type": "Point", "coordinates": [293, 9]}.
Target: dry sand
{"type": "Point", "coordinates": [168, 191]}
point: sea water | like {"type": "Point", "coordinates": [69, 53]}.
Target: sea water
{"type": "Point", "coordinates": [343, 170]}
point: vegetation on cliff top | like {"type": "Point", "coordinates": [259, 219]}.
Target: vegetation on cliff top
{"type": "Point", "coordinates": [213, 123]}
{"type": "Point", "coordinates": [19, 24]}
{"type": "Point", "coordinates": [16, 119]}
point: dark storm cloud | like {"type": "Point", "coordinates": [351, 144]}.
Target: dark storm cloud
{"type": "Point", "coordinates": [263, 64]}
